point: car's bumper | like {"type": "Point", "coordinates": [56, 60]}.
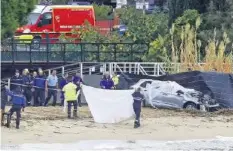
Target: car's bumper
{"type": "Point", "coordinates": [212, 106]}
{"type": "Point", "coordinates": [208, 107]}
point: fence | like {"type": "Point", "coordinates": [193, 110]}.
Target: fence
{"type": "Point", "coordinates": [21, 51]}
{"type": "Point", "coordinates": [216, 86]}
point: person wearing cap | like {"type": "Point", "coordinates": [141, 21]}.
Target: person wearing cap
{"type": "Point", "coordinates": [106, 82]}
{"type": "Point", "coordinates": [71, 93]}
{"type": "Point", "coordinates": [115, 80]}
{"type": "Point", "coordinates": [16, 80]}
{"type": "Point", "coordinates": [39, 83]}
{"type": "Point", "coordinates": [18, 103]}
{"type": "Point", "coordinates": [137, 101]}
{"type": "Point", "coordinates": [51, 87]}
{"type": "Point", "coordinates": [78, 81]}
{"type": "Point", "coordinates": [27, 88]}
{"type": "Point", "coordinates": [62, 83]}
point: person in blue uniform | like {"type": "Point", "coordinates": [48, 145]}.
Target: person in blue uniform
{"type": "Point", "coordinates": [27, 86]}
{"type": "Point", "coordinates": [39, 83]}
{"type": "Point", "coordinates": [106, 82]}
{"type": "Point", "coordinates": [18, 103]}
{"type": "Point", "coordinates": [3, 104]}
{"type": "Point", "coordinates": [16, 80]}
{"type": "Point", "coordinates": [34, 75]}
{"type": "Point", "coordinates": [78, 81]}
{"type": "Point", "coordinates": [62, 83]}
{"type": "Point", "coordinates": [137, 101]}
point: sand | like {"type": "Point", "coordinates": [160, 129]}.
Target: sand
{"type": "Point", "coordinates": [50, 125]}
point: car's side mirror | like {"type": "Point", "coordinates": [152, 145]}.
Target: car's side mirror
{"type": "Point", "coordinates": [39, 24]}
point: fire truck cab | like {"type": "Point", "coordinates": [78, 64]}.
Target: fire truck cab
{"type": "Point", "coordinates": [54, 20]}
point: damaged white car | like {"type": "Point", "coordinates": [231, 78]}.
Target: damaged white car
{"type": "Point", "coordinates": [167, 94]}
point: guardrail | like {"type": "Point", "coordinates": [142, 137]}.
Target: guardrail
{"type": "Point", "coordinates": [144, 68]}
{"type": "Point", "coordinates": [73, 52]}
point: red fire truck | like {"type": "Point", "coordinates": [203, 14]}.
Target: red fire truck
{"type": "Point", "coordinates": [57, 19]}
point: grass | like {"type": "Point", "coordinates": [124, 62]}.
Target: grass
{"type": "Point", "coordinates": [186, 51]}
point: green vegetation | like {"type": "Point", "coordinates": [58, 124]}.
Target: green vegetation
{"type": "Point", "coordinates": [14, 14]}
{"type": "Point", "coordinates": [189, 33]}
{"type": "Point", "coordinates": [102, 12]}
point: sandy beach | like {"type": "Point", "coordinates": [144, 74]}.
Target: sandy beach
{"type": "Point", "coordinates": [50, 125]}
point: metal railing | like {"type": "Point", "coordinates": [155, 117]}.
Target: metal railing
{"type": "Point", "coordinates": [74, 52]}
{"type": "Point", "coordinates": [144, 68]}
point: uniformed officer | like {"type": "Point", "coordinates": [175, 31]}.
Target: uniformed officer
{"type": "Point", "coordinates": [51, 86]}
{"type": "Point", "coordinates": [16, 80]}
{"type": "Point", "coordinates": [39, 83]}
{"type": "Point", "coordinates": [137, 101]}
{"type": "Point", "coordinates": [34, 75]}
{"type": "Point", "coordinates": [18, 103]}
{"type": "Point", "coordinates": [27, 88]}
{"type": "Point", "coordinates": [3, 105]}
{"type": "Point", "coordinates": [62, 83]}
{"type": "Point", "coordinates": [115, 80]}
{"type": "Point", "coordinates": [78, 81]}
{"type": "Point", "coordinates": [106, 82]}
{"type": "Point", "coordinates": [71, 93]}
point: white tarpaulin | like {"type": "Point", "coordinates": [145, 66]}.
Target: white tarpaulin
{"type": "Point", "coordinates": [109, 106]}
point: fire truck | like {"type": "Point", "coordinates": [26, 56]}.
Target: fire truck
{"type": "Point", "coordinates": [49, 22]}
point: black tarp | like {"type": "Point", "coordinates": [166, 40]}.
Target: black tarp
{"type": "Point", "coordinates": [218, 85]}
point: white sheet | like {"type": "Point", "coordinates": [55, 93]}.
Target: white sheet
{"type": "Point", "coordinates": [109, 106]}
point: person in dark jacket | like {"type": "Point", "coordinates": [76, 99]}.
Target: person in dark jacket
{"type": "Point", "coordinates": [16, 80]}
{"type": "Point", "coordinates": [27, 88]}
{"type": "Point", "coordinates": [78, 81]}
{"type": "Point", "coordinates": [62, 83]}
{"type": "Point", "coordinates": [18, 103]}
{"type": "Point", "coordinates": [106, 82]}
{"type": "Point", "coordinates": [137, 101]}
{"type": "Point", "coordinates": [39, 83]}
{"type": "Point", "coordinates": [34, 75]}
{"type": "Point", "coordinates": [3, 104]}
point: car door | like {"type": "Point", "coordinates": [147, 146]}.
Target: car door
{"type": "Point", "coordinates": [168, 100]}
{"type": "Point", "coordinates": [45, 25]}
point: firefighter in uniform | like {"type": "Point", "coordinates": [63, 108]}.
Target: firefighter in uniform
{"type": "Point", "coordinates": [115, 80]}
{"type": "Point", "coordinates": [137, 101]}
{"type": "Point", "coordinates": [71, 94]}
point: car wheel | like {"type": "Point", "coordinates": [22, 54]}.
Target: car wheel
{"type": "Point", "coordinates": [190, 106]}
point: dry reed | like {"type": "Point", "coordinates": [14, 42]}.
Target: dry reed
{"type": "Point", "coordinates": [187, 51]}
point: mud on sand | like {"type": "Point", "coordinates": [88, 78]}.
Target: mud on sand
{"type": "Point", "coordinates": [50, 125]}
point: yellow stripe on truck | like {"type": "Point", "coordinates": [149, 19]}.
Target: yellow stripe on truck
{"type": "Point", "coordinates": [24, 38]}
